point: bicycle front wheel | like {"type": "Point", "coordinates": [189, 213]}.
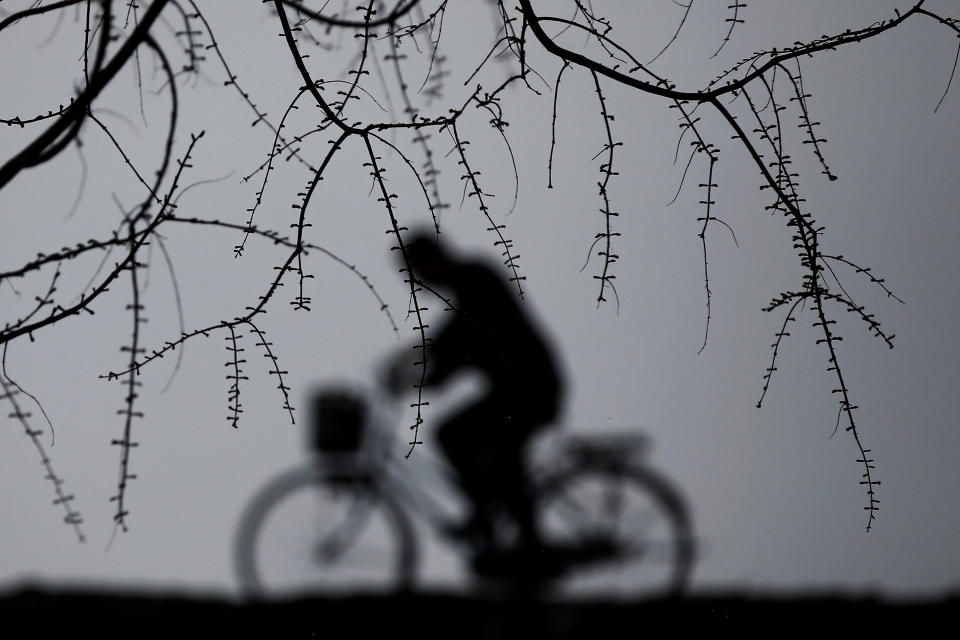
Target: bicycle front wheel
{"type": "Point", "coordinates": [635, 519]}
{"type": "Point", "coordinates": [311, 532]}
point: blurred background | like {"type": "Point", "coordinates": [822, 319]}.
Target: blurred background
{"type": "Point", "coordinates": [774, 493]}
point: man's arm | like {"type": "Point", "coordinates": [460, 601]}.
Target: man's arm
{"type": "Point", "coordinates": [446, 351]}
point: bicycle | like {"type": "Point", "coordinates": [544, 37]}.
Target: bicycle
{"type": "Point", "coordinates": [611, 526]}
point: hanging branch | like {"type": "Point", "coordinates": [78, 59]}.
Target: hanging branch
{"type": "Point", "coordinates": [472, 187]}
{"type": "Point", "coordinates": [50, 141]}
{"type": "Point", "coordinates": [734, 20]}
{"type": "Point", "coordinates": [801, 98]}
{"type": "Point", "coordinates": [276, 371]}
{"type": "Point", "coordinates": [790, 317]}
{"type": "Point", "coordinates": [131, 384]}
{"type": "Point", "coordinates": [376, 172]}
{"type": "Point", "coordinates": [676, 34]}
{"type": "Point", "coordinates": [232, 82]}
{"type": "Point", "coordinates": [421, 138]}
{"type": "Point", "coordinates": [606, 171]}
{"type": "Point", "coordinates": [553, 124]}
{"type": "Point", "coordinates": [274, 150]}
{"type": "Point", "coordinates": [235, 376]}
{"type": "Point", "coordinates": [62, 498]}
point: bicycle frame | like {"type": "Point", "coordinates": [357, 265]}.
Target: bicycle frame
{"type": "Point", "coordinates": [410, 482]}
{"type": "Point", "coordinates": [407, 481]}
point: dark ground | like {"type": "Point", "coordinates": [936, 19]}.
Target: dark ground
{"type": "Point", "coordinates": [100, 612]}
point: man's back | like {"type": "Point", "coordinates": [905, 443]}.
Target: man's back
{"type": "Point", "coordinates": [491, 333]}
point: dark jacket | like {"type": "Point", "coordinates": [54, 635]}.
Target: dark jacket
{"type": "Point", "coordinates": [488, 331]}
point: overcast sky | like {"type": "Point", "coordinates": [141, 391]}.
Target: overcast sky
{"type": "Point", "coordinates": [775, 498]}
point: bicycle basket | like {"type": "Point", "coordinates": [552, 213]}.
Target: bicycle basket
{"type": "Point", "coordinates": [338, 421]}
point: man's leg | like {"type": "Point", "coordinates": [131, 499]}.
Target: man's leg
{"type": "Point", "coordinates": [486, 444]}
{"type": "Point", "coordinates": [464, 440]}
{"type": "Point", "coordinates": [528, 415]}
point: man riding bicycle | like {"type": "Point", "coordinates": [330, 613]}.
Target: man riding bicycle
{"type": "Point", "coordinates": [490, 333]}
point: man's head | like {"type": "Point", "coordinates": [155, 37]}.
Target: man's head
{"type": "Point", "coordinates": [428, 258]}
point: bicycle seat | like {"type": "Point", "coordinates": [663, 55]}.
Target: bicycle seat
{"type": "Point", "coordinates": [609, 444]}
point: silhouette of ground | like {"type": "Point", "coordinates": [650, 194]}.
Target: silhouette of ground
{"type": "Point", "coordinates": [111, 612]}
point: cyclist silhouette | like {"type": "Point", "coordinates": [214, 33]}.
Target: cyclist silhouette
{"type": "Point", "coordinates": [490, 333]}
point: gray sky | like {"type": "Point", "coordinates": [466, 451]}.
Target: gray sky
{"type": "Point", "coordinates": [775, 498]}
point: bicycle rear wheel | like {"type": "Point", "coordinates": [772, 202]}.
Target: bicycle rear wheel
{"type": "Point", "coordinates": [627, 529]}
{"type": "Point", "coordinates": [308, 532]}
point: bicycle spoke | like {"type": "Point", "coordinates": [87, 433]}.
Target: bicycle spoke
{"type": "Point", "coordinates": [613, 506]}
{"type": "Point", "coordinates": [619, 530]}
